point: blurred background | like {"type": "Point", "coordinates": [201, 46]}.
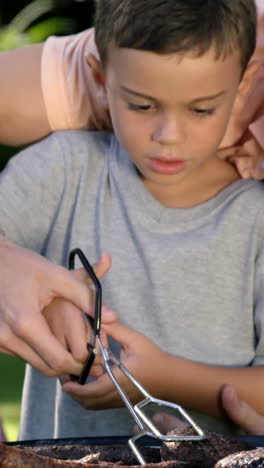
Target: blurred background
{"type": "Point", "coordinates": [25, 22]}
{"type": "Point", "coordinates": [78, 11]}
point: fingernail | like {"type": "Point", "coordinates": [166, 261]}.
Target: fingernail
{"type": "Point", "coordinates": [107, 310]}
{"type": "Point", "coordinates": [246, 174]}
{"type": "Point", "coordinates": [260, 165]}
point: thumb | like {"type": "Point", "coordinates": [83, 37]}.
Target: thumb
{"type": "Point", "coordinates": [240, 412]}
{"type": "Point", "coordinates": [100, 268]}
{"type": "Point", "coordinates": [124, 335]}
{"type": "Point", "coordinates": [103, 265]}
{"type": "Point", "coordinates": [67, 286]}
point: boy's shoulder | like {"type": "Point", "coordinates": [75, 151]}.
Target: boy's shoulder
{"type": "Point", "coordinates": [255, 189]}
{"type": "Point", "coordinates": [74, 148]}
{"type": "Point", "coordinates": [64, 151]}
{"type": "Point", "coordinates": [252, 189]}
{"type": "Point", "coordinates": [83, 140]}
{"type": "Point", "coordinates": [251, 198]}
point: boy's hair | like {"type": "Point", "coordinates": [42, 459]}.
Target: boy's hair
{"type": "Point", "coordinates": [177, 26]}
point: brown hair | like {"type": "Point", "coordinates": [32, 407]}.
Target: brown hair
{"type": "Point", "coordinates": [177, 26]}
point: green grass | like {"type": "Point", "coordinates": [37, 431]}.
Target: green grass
{"type": "Point", "coordinates": [6, 153]}
{"type": "Point", "coordinates": [12, 375]}
{"type": "Point", "coordinates": [12, 369]}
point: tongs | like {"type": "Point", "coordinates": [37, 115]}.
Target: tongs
{"type": "Point", "coordinates": [147, 428]}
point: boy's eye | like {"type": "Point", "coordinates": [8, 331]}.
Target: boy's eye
{"type": "Point", "coordinates": [137, 107]}
{"type": "Point", "coordinates": [203, 112]}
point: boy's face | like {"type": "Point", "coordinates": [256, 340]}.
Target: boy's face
{"type": "Point", "coordinates": [170, 113]}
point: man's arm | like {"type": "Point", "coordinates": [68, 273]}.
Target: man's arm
{"type": "Point", "coordinates": [28, 284]}
{"type": "Point", "coordinates": [23, 117]}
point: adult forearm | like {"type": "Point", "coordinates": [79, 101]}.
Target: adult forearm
{"type": "Point", "coordinates": [29, 283]}
{"type": "Point", "coordinates": [198, 386]}
{"type": "Point", "coordinates": [23, 116]}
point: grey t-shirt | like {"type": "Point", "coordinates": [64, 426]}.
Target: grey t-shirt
{"type": "Point", "coordinates": [190, 279]}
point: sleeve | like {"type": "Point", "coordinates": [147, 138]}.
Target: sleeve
{"type": "Point", "coordinates": [31, 190]}
{"type": "Point", "coordinates": [259, 311]}
{"type": "Point", "coordinates": [72, 98]}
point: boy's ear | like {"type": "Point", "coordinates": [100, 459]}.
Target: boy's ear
{"type": "Point", "coordinates": [97, 69]}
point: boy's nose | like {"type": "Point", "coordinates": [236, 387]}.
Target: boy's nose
{"type": "Point", "coordinates": [169, 130]}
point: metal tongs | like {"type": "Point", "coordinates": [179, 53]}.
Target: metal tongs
{"type": "Point", "coordinates": [147, 428]}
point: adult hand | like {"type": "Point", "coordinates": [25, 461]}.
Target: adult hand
{"type": "Point", "coordinates": [240, 145]}
{"type": "Point", "coordinates": [69, 325]}
{"type": "Point", "coordinates": [140, 355]}
{"type": "Point", "coordinates": [28, 284]}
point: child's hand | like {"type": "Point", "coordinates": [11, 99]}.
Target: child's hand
{"type": "Point", "coordinates": [239, 144]}
{"type": "Point", "coordinates": [68, 324]}
{"type": "Point", "coordinates": [241, 413]}
{"type": "Point", "coordinates": [140, 355]}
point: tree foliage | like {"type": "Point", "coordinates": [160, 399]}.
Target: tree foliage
{"type": "Point", "coordinates": [28, 27]}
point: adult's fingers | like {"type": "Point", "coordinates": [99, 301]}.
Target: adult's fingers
{"type": "Point", "coordinates": [65, 285]}
{"type": "Point", "coordinates": [248, 158]}
{"type": "Point", "coordinates": [23, 351]}
{"type": "Point", "coordinates": [71, 285]}
{"type": "Point", "coordinates": [241, 413]}
{"type": "Point", "coordinates": [103, 265]}
{"type": "Point", "coordinates": [33, 342]}
{"type": "Point", "coordinates": [248, 101]}
{"type": "Point", "coordinates": [100, 268]}
{"type": "Point", "coordinates": [69, 325]}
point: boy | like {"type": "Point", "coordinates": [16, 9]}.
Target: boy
{"type": "Point", "coordinates": [55, 78]}
{"type": "Point", "coordinates": [165, 207]}
{"type": "Point", "coordinates": [52, 87]}
{"type": "Point", "coordinates": [74, 100]}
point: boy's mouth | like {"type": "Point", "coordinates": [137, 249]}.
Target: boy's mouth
{"type": "Point", "coordinates": [166, 166]}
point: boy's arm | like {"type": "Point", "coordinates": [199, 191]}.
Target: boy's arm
{"type": "Point", "coordinates": [23, 117]}
{"type": "Point", "coordinates": [238, 411]}
{"type": "Point", "coordinates": [188, 383]}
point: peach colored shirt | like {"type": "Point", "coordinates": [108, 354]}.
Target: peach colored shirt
{"type": "Point", "coordinates": [72, 97]}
